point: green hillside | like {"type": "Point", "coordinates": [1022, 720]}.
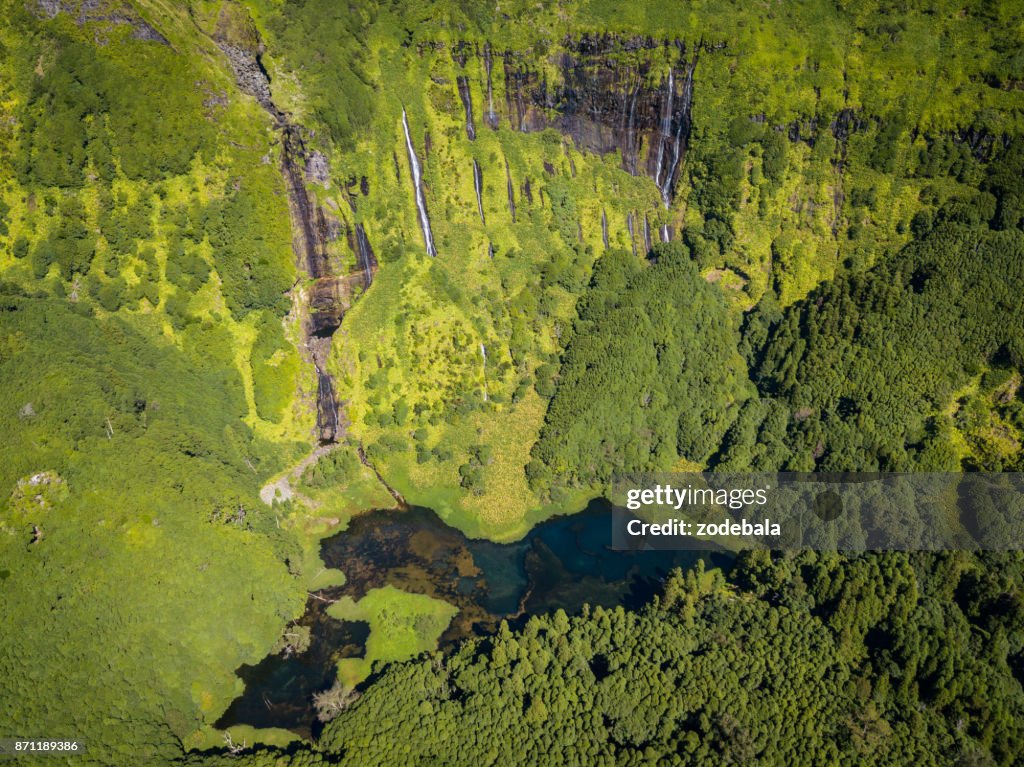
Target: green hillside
{"type": "Point", "coordinates": [222, 336]}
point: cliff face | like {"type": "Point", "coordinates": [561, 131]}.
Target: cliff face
{"type": "Point", "coordinates": [611, 94]}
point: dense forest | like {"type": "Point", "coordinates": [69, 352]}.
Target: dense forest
{"type": "Point", "coordinates": [669, 237]}
{"type": "Point", "coordinates": [648, 375]}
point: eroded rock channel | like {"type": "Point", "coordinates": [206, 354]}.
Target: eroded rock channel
{"type": "Point", "coordinates": [331, 290]}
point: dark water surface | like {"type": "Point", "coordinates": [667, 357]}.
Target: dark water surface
{"type": "Point", "coordinates": [565, 563]}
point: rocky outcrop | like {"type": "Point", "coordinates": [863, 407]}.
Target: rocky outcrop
{"type": "Point", "coordinates": [318, 169]}
{"type": "Point", "coordinates": [250, 75]}
{"type": "Point", "coordinates": [236, 35]}
{"type": "Point", "coordinates": [102, 11]}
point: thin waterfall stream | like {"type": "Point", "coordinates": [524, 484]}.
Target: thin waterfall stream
{"type": "Point", "coordinates": [682, 135]}
{"type": "Point", "coordinates": [467, 104]}
{"type": "Point", "coordinates": [478, 185]}
{"type": "Point", "coordinates": [417, 182]}
{"type": "Point", "coordinates": [666, 132]}
{"type": "Point", "coordinates": [511, 192]}
{"type": "Point", "coordinates": [483, 357]}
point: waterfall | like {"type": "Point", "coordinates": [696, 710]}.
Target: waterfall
{"type": "Point", "coordinates": [417, 181]}
{"type": "Point", "coordinates": [604, 228]}
{"type": "Point", "coordinates": [492, 117]}
{"type": "Point", "coordinates": [647, 234]}
{"type": "Point", "coordinates": [666, 233]}
{"type": "Point", "coordinates": [666, 126]}
{"type": "Point", "coordinates": [325, 311]}
{"type": "Point", "coordinates": [682, 134]}
{"type": "Point", "coordinates": [467, 103]}
{"type": "Point", "coordinates": [483, 356]}
{"type": "Point", "coordinates": [511, 193]}
{"type": "Point", "coordinates": [478, 185]}
{"type": "Point", "coordinates": [367, 259]}
{"type": "Point", "coordinates": [328, 422]}
{"type": "Point", "coordinates": [629, 228]}
{"type": "Point", "coordinates": [305, 213]}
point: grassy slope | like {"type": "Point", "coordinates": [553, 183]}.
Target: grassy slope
{"type": "Point", "coordinates": [416, 336]}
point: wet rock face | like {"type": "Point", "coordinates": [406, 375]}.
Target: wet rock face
{"type": "Point", "coordinates": [328, 415]}
{"type": "Point", "coordinates": [327, 305]}
{"type": "Point", "coordinates": [313, 230]}
{"type": "Point", "coordinates": [490, 115]}
{"type": "Point", "coordinates": [511, 193]}
{"type": "Point", "coordinates": [331, 297]}
{"type": "Point", "coordinates": [607, 100]}
{"type": "Point", "coordinates": [467, 105]}
{"type": "Point", "coordinates": [478, 186]}
{"type": "Point", "coordinates": [364, 252]}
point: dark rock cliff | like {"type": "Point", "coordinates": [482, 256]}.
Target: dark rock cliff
{"type": "Point", "coordinates": [611, 94]}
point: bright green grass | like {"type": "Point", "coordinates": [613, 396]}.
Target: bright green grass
{"type": "Point", "coordinates": [402, 625]}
